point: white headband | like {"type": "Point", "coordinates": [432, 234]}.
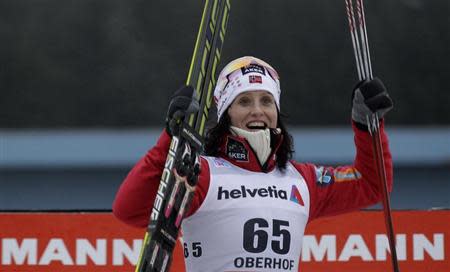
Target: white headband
{"type": "Point", "coordinates": [244, 75]}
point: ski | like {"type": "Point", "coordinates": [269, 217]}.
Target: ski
{"type": "Point", "coordinates": [182, 166]}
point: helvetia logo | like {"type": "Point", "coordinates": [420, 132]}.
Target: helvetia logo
{"type": "Point", "coordinates": [269, 192]}
{"type": "Point", "coordinates": [244, 192]}
{"type": "Point", "coordinates": [296, 196]}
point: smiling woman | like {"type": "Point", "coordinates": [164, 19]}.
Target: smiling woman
{"type": "Point", "coordinates": [249, 190]}
{"type": "Point", "coordinates": [248, 98]}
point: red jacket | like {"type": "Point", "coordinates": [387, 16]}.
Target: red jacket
{"type": "Point", "coordinates": [333, 190]}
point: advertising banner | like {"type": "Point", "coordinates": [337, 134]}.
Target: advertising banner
{"type": "Point", "coordinates": [68, 242]}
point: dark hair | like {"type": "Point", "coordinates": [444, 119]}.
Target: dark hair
{"type": "Point", "coordinates": [214, 138]}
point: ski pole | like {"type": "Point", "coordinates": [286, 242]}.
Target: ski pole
{"type": "Point", "coordinates": [364, 69]}
{"type": "Point", "coordinates": [374, 126]}
{"type": "Point", "coordinates": [354, 37]}
{"type": "Point", "coordinates": [364, 39]}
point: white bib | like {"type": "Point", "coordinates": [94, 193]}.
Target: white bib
{"type": "Point", "coordinates": [249, 221]}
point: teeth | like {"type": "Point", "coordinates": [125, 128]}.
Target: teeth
{"type": "Point", "coordinates": [256, 124]}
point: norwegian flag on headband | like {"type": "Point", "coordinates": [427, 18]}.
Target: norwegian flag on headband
{"type": "Point", "coordinates": [255, 79]}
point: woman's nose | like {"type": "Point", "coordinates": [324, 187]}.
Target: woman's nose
{"type": "Point", "coordinates": [257, 109]}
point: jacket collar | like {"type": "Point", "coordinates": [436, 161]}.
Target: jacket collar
{"type": "Point", "coordinates": [238, 151]}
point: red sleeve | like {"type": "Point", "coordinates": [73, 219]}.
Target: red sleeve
{"type": "Point", "coordinates": [336, 190]}
{"type": "Point", "coordinates": [137, 193]}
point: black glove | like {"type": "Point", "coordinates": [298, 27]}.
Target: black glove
{"type": "Point", "coordinates": [370, 96]}
{"type": "Point", "coordinates": [182, 103]}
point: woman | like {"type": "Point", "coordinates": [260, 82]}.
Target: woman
{"type": "Point", "coordinates": [252, 201]}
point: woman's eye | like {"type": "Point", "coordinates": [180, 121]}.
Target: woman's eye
{"type": "Point", "coordinates": [267, 101]}
{"type": "Point", "coordinates": [244, 101]}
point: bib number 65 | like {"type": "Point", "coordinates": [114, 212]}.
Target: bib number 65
{"type": "Point", "coordinates": [256, 236]}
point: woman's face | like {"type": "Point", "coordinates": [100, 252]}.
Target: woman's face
{"type": "Point", "coordinates": [253, 110]}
